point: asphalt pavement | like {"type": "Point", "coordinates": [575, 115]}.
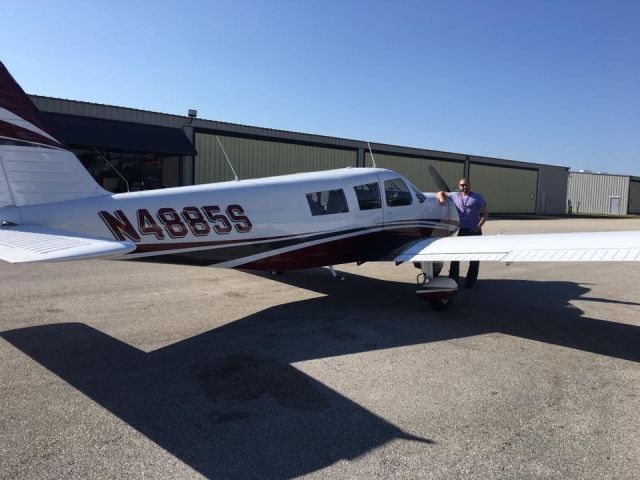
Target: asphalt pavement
{"type": "Point", "coordinates": [131, 369]}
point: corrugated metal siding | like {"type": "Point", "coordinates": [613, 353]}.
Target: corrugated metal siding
{"type": "Point", "coordinates": [109, 112]}
{"type": "Point", "coordinates": [552, 190]}
{"type": "Point", "coordinates": [634, 197]}
{"type": "Point", "coordinates": [506, 190]}
{"type": "Point", "coordinates": [259, 158]}
{"type": "Point", "coordinates": [416, 169]}
{"type": "Point", "coordinates": [592, 192]}
{"type": "Point", "coordinates": [171, 172]}
{"type": "Point", "coordinates": [407, 160]}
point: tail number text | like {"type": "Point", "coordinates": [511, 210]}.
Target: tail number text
{"type": "Point", "coordinates": [168, 222]}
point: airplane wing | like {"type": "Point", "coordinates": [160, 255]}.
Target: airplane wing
{"type": "Point", "coordinates": [546, 247]}
{"type": "Point", "coordinates": [37, 243]}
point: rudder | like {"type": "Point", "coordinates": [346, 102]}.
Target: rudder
{"type": "Point", "coordinates": [35, 167]}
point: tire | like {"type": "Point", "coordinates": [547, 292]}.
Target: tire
{"type": "Point", "coordinates": [442, 304]}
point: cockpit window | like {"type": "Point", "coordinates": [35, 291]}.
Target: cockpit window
{"type": "Point", "coordinates": [327, 202]}
{"type": "Point", "coordinates": [419, 195]}
{"type": "Point", "coordinates": [368, 196]}
{"type": "Point", "coordinates": [397, 193]}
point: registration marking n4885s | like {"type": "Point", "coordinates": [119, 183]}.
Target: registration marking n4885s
{"type": "Point", "coordinates": [199, 221]}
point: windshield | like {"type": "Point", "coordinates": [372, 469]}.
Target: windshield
{"type": "Point", "coordinates": [421, 196]}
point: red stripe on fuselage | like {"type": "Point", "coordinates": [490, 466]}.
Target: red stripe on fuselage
{"type": "Point", "coordinates": [159, 247]}
{"type": "Point", "coordinates": [12, 131]}
{"type": "Point", "coordinates": [370, 246]}
{"type": "Point", "coordinates": [362, 246]}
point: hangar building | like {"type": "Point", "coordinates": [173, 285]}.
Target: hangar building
{"type": "Point", "coordinates": [155, 150]}
{"type": "Point", "coordinates": [603, 193]}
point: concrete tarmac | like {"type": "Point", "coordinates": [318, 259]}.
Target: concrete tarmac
{"type": "Point", "coordinates": [129, 369]}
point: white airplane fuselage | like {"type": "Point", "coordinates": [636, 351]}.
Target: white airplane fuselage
{"type": "Point", "coordinates": [265, 223]}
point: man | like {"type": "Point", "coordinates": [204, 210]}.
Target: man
{"type": "Point", "coordinates": [473, 213]}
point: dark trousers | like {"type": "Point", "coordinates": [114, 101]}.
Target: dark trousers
{"type": "Point", "coordinates": [474, 267]}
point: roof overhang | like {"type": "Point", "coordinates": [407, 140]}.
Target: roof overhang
{"type": "Point", "coordinates": [77, 131]}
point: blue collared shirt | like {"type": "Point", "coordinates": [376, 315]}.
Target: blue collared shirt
{"type": "Point", "coordinates": [469, 207]}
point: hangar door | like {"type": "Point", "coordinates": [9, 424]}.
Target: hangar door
{"type": "Point", "coordinates": [416, 169]}
{"type": "Point", "coordinates": [262, 158]}
{"type": "Point", "coordinates": [506, 189]}
{"type": "Point", "coordinates": [634, 197]}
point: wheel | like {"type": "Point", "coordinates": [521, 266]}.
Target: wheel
{"type": "Point", "coordinates": [441, 304]}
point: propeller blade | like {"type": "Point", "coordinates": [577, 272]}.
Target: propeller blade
{"type": "Point", "coordinates": [440, 183]}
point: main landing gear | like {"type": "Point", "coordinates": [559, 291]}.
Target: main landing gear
{"type": "Point", "coordinates": [438, 291]}
{"type": "Point", "coordinates": [335, 274]}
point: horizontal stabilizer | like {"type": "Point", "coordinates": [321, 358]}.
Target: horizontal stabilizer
{"type": "Point", "coordinates": [546, 247]}
{"type": "Point", "coordinates": [36, 243]}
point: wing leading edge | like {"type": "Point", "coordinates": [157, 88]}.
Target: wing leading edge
{"type": "Point", "coordinates": [551, 247]}
{"type": "Point", "coordinates": [36, 243]}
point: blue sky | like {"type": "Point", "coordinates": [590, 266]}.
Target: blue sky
{"type": "Point", "coordinates": [554, 82]}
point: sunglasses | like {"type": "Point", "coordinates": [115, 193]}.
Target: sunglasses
{"type": "Point", "coordinates": [464, 185]}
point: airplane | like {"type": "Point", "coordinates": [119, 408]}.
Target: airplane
{"type": "Point", "coordinates": [51, 209]}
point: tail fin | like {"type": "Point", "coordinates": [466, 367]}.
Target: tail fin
{"type": "Point", "coordinates": [35, 167]}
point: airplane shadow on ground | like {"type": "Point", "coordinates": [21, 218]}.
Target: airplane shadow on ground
{"type": "Point", "coordinates": [229, 403]}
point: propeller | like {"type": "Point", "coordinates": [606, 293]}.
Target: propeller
{"type": "Point", "coordinates": [440, 183]}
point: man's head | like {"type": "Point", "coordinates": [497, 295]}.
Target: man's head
{"type": "Point", "coordinates": [464, 185]}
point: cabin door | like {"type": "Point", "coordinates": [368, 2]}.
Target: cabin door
{"type": "Point", "coordinates": [398, 203]}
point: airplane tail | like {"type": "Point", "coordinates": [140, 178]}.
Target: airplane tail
{"type": "Point", "coordinates": [35, 167]}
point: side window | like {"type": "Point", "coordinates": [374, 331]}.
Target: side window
{"type": "Point", "coordinates": [397, 193]}
{"type": "Point", "coordinates": [327, 202]}
{"type": "Point", "coordinates": [368, 196]}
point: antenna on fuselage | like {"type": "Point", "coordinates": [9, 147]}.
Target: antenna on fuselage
{"type": "Point", "coordinates": [372, 157]}
{"type": "Point", "coordinates": [104, 159]}
{"type": "Point", "coordinates": [235, 175]}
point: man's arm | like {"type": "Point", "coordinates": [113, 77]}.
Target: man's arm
{"type": "Point", "coordinates": [484, 216]}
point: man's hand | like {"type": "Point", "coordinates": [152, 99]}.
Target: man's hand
{"type": "Point", "coordinates": [484, 216]}
{"type": "Point", "coordinates": [442, 197]}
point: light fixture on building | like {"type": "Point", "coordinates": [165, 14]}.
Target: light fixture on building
{"type": "Point", "coordinates": [192, 113]}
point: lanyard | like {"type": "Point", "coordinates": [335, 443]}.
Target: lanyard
{"type": "Point", "coordinates": [464, 204]}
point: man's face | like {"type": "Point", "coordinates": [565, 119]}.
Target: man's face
{"type": "Point", "coordinates": [464, 186]}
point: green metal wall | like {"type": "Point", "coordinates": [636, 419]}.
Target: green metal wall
{"type": "Point", "coordinates": [260, 158]}
{"type": "Point", "coordinates": [415, 169]}
{"type": "Point", "coordinates": [171, 172]}
{"type": "Point", "coordinates": [506, 190]}
{"type": "Point", "coordinates": [634, 197]}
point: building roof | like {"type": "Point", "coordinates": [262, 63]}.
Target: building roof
{"type": "Point", "coordinates": [120, 136]}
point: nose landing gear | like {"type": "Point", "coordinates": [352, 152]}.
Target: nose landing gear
{"type": "Point", "coordinates": [439, 292]}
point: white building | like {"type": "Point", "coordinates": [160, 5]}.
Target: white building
{"type": "Point", "coordinates": [602, 193]}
